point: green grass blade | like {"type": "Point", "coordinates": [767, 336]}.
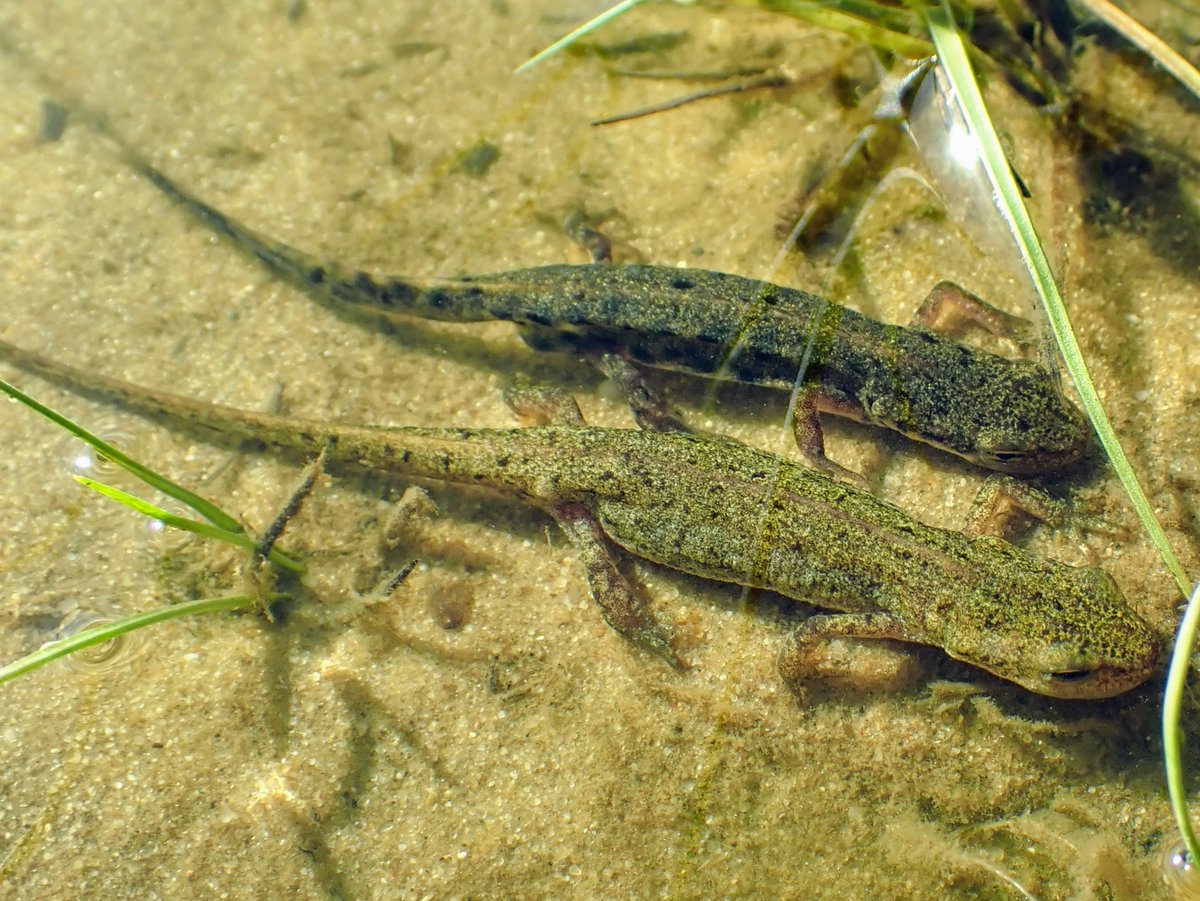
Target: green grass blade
{"type": "Point", "coordinates": [952, 55]}
{"type": "Point", "coordinates": [617, 9]}
{"type": "Point", "coordinates": [1177, 672]}
{"type": "Point", "coordinates": [109, 631]}
{"type": "Point", "coordinates": [878, 31]}
{"type": "Point", "coordinates": [875, 24]}
{"type": "Point", "coordinates": [207, 509]}
{"type": "Point", "coordinates": [208, 530]}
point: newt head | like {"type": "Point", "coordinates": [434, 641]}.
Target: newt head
{"type": "Point", "coordinates": [1022, 426]}
{"type": "Point", "coordinates": [1006, 415]}
{"type": "Point", "coordinates": [1040, 431]}
{"type": "Point", "coordinates": [1056, 630]}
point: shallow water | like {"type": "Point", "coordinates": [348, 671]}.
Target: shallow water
{"type": "Point", "coordinates": [483, 734]}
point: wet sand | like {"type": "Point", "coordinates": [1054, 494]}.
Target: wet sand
{"type": "Point", "coordinates": [482, 733]}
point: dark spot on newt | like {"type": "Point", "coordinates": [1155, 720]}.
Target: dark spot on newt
{"type": "Point", "coordinates": [396, 290]}
{"type": "Point", "coordinates": [365, 284]}
{"type": "Point", "coordinates": [316, 275]}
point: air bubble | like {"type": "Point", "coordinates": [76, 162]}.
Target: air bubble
{"type": "Point", "coordinates": [85, 460]}
{"type": "Point", "coordinates": [153, 537]}
{"type": "Point", "coordinates": [101, 658]}
{"type": "Point", "coordinates": [1180, 873]}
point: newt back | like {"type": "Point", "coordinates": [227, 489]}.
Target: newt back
{"type": "Point", "coordinates": [1004, 414]}
{"type": "Point", "coordinates": [715, 508]}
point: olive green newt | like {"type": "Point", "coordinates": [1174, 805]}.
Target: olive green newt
{"type": "Point", "coordinates": [1004, 414]}
{"type": "Point", "coordinates": [718, 509]}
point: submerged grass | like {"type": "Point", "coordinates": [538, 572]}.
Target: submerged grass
{"type": "Point", "coordinates": [126, 624]}
{"type": "Point", "coordinates": [220, 526]}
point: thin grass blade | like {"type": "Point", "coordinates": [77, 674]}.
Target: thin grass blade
{"type": "Point", "coordinates": [109, 631]}
{"type": "Point", "coordinates": [166, 517]}
{"type": "Point", "coordinates": [207, 509]}
{"type": "Point", "coordinates": [1177, 672]}
{"type": "Point", "coordinates": [617, 9]}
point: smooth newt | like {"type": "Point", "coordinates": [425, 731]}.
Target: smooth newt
{"type": "Point", "coordinates": [1004, 414]}
{"type": "Point", "coordinates": [715, 508]}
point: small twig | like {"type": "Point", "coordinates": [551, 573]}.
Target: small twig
{"type": "Point", "coordinates": [748, 72]}
{"type": "Point", "coordinates": [771, 81]}
{"type": "Point", "coordinates": [401, 574]}
{"type": "Point", "coordinates": [307, 480]}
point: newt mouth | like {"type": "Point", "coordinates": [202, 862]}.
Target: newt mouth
{"type": "Point", "coordinates": [1101, 682]}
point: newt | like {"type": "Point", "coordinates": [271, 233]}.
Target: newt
{"type": "Point", "coordinates": [1004, 414]}
{"type": "Point", "coordinates": [718, 509]}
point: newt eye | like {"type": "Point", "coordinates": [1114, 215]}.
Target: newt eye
{"type": "Point", "coordinates": [1006, 456]}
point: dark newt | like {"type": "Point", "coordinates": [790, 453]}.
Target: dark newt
{"type": "Point", "coordinates": [1004, 414]}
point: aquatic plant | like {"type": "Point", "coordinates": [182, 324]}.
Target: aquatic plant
{"type": "Point", "coordinates": [218, 525]}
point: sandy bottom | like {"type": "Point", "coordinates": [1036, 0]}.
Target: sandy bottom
{"type": "Point", "coordinates": [481, 733]}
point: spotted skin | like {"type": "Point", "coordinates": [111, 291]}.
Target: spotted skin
{"type": "Point", "coordinates": [718, 509]}
{"type": "Point", "coordinates": [1004, 414]}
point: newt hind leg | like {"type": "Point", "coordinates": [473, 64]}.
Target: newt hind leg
{"type": "Point", "coordinates": [623, 609]}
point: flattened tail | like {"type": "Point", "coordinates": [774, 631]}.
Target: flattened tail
{"type": "Point", "coordinates": [446, 454]}
{"type": "Point", "coordinates": [452, 300]}
{"type": "Point", "coordinates": [212, 419]}
{"type": "Point", "coordinates": [294, 265]}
